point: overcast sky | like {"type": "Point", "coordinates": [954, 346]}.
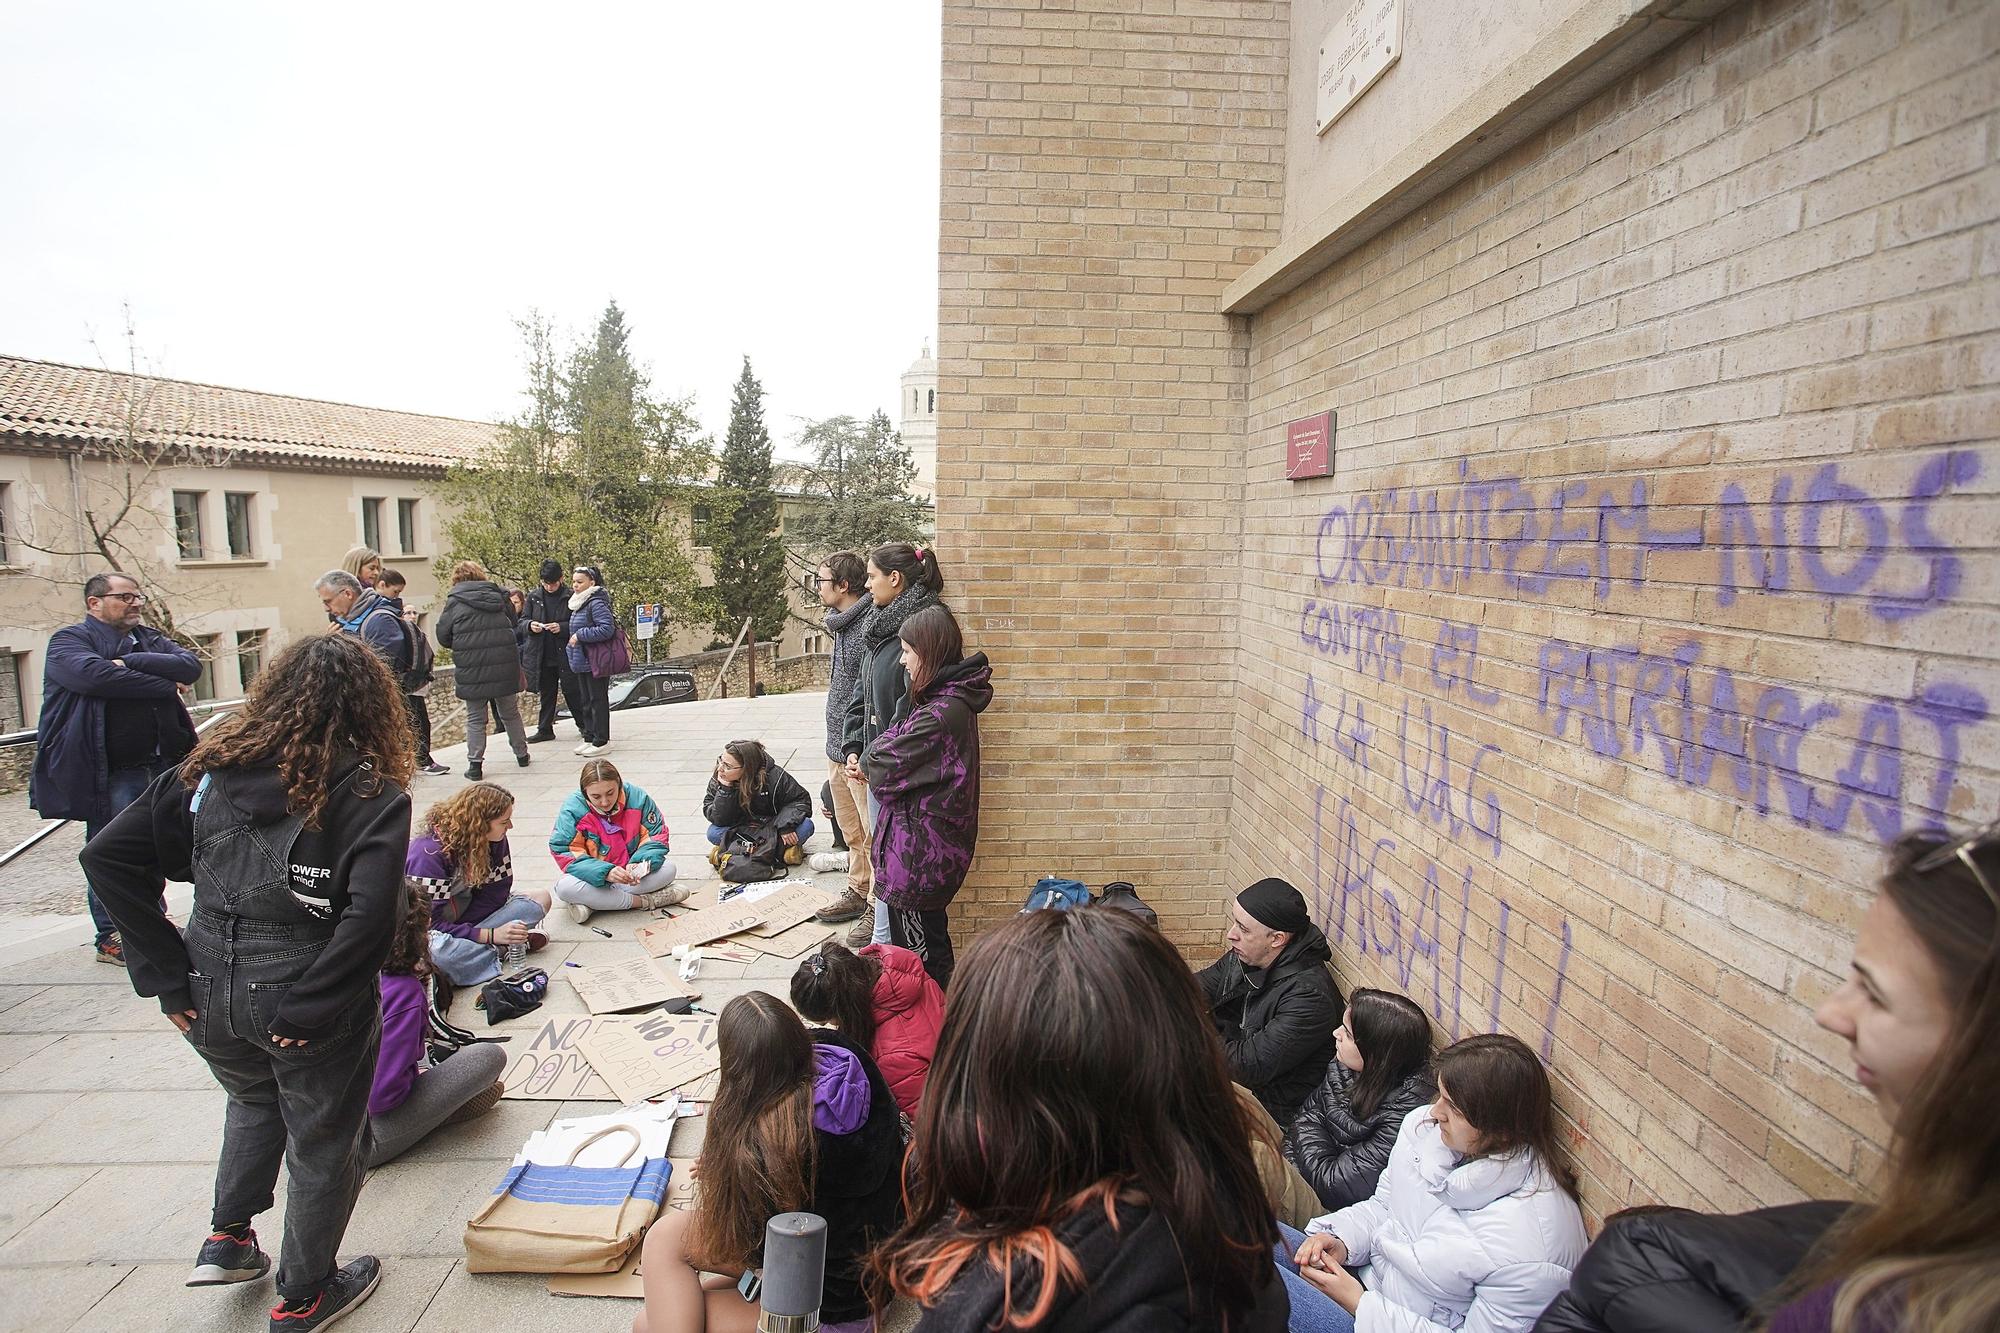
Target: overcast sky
{"type": "Point", "coordinates": [356, 201]}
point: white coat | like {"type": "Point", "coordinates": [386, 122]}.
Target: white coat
{"type": "Point", "coordinates": [1478, 1244]}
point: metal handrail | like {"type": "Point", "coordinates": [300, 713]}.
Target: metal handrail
{"type": "Point", "coordinates": [217, 709]}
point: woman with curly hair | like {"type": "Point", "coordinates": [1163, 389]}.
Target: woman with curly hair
{"type": "Point", "coordinates": [464, 867]}
{"type": "Point", "coordinates": [291, 818]}
{"type": "Point", "coordinates": [411, 1096]}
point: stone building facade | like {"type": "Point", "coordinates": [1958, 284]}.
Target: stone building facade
{"type": "Point", "coordinates": [1656, 582]}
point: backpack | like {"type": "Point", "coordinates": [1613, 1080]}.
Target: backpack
{"type": "Point", "coordinates": [752, 854]}
{"type": "Point", "coordinates": [1121, 895]}
{"type": "Point", "coordinates": [1060, 894]}
{"type": "Point", "coordinates": [510, 997]}
{"type": "Point", "coordinates": [423, 659]}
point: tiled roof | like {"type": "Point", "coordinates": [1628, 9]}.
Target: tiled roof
{"type": "Point", "coordinates": [49, 402]}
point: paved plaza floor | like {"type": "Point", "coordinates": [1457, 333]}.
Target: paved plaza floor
{"type": "Point", "coordinates": [109, 1122]}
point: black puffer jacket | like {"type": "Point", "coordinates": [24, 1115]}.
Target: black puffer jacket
{"type": "Point", "coordinates": [778, 801]}
{"type": "Point", "coordinates": [1669, 1270]}
{"type": "Point", "coordinates": [1277, 1022]}
{"type": "Point", "coordinates": [882, 692]}
{"type": "Point", "coordinates": [477, 624]}
{"type": "Point", "coordinates": [1342, 1157]}
{"type": "Point", "coordinates": [1134, 1281]}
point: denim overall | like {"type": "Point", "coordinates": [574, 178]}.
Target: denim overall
{"type": "Point", "coordinates": [248, 940]}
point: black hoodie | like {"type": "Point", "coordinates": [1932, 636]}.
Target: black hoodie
{"type": "Point", "coordinates": [349, 870]}
{"type": "Point", "coordinates": [1277, 1022]}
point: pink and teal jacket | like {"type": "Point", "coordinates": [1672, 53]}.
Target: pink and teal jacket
{"type": "Point", "coordinates": [587, 845]}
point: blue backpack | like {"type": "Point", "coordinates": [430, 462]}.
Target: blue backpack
{"type": "Point", "coordinates": [1061, 894]}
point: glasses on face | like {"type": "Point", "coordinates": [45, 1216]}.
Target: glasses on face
{"type": "Point", "coordinates": [1962, 851]}
{"type": "Point", "coordinates": [134, 598]}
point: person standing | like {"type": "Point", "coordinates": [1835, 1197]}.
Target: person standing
{"type": "Point", "coordinates": [592, 620]}
{"type": "Point", "coordinates": [112, 720]}
{"type": "Point", "coordinates": [364, 563]}
{"type": "Point", "coordinates": [416, 681]}
{"type": "Point", "coordinates": [291, 818]}
{"type": "Point", "coordinates": [842, 583]}
{"type": "Point", "coordinates": [546, 613]}
{"type": "Point", "coordinates": [478, 627]}
{"type": "Point", "coordinates": [367, 615]}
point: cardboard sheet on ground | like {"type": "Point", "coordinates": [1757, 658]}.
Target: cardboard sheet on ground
{"type": "Point", "coordinates": [628, 1282]}
{"type": "Point", "coordinates": [786, 908]}
{"type": "Point", "coordinates": [698, 927]}
{"type": "Point", "coordinates": [635, 983]}
{"type": "Point", "coordinates": [789, 943]}
{"type": "Point", "coordinates": [544, 1064]}
{"type": "Point", "coordinates": [646, 1058]}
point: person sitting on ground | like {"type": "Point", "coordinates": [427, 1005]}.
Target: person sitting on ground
{"type": "Point", "coordinates": [882, 1000]}
{"type": "Point", "coordinates": [749, 787]}
{"type": "Point", "coordinates": [1380, 1073]}
{"type": "Point", "coordinates": [1274, 998]}
{"type": "Point", "coordinates": [1080, 1163]}
{"type": "Point", "coordinates": [411, 1096]}
{"type": "Point", "coordinates": [611, 844]}
{"type": "Point", "coordinates": [1918, 1011]}
{"type": "Point", "coordinates": [1474, 1223]}
{"type": "Point", "coordinates": [478, 626]}
{"type": "Point", "coordinates": [801, 1122]}
{"type": "Point", "coordinates": [464, 867]}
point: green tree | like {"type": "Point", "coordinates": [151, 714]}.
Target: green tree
{"type": "Point", "coordinates": [858, 489]}
{"type": "Point", "coordinates": [596, 470]}
{"type": "Point", "coordinates": [747, 553]}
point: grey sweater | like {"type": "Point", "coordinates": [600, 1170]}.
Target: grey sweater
{"type": "Point", "coordinates": [849, 629]}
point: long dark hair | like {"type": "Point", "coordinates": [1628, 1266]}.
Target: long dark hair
{"type": "Point", "coordinates": [1501, 1089]}
{"type": "Point", "coordinates": [1077, 1067]}
{"type": "Point", "coordinates": [837, 986]}
{"type": "Point", "coordinates": [917, 564]}
{"type": "Point", "coordinates": [759, 1156]}
{"type": "Point", "coordinates": [1394, 1038]}
{"type": "Point", "coordinates": [323, 699]}
{"type": "Point", "coordinates": [755, 761]}
{"type": "Point", "coordinates": [1927, 1256]}
{"type": "Point", "coordinates": [410, 950]}
{"type": "Point", "coordinates": [932, 634]}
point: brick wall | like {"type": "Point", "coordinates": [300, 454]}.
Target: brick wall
{"type": "Point", "coordinates": [1106, 172]}
{"type": "Point", "coordinates": [1657, 584]}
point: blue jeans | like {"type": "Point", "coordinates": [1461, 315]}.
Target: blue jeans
{"type": "Point", "coordinates": [126, 786]}
{"type": "Point", "coordinates": [716, 833]}
{"type": "Point", "coordinates": [1313, 1311]}
{"type": "Point", "coordinates": [881, 934]}
{"type": "Point", "coordinates": [470, 963]}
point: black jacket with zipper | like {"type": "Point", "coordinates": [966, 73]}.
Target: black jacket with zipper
{"type": "Point", "coordinates": [779, 801]}
{"type": "Point", "coordinates": [477, 624]}
{"type": "Point", "coordinates": [1342, 1156]}
{"type": "Point", "coordinates": [1277, 1022]}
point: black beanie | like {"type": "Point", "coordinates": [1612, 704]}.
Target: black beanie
{"type": "Point", "coordinates": [1277, 904]}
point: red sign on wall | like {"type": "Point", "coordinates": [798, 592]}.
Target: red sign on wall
{"type": "Point", "coordinates": [1309, 447]}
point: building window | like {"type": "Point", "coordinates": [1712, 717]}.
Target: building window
{"type": "Point", "coordinates": [406, 525]}
{"type": "Point", "coordinates": [6, 508]}
{"type": "Point", "coordinates": [249, 655]}
{"type": "Point", "coordinates": [932, 408]}
{"type": "Point", "coordinates": [236, 519]}
{"type": "Point", "coordinates": [703, 516]}
{"type": "Point", "coordinates": [13, 693]}
{"type": "Point", "coordinates": [207, 646]}
{"type": "Point", "coordinates": [371, 522]}
{"type": "Point", "coordinates": [187, 523]}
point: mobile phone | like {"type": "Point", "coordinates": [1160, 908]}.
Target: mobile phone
{"type": "Point", "coordinates": [750, 1286]}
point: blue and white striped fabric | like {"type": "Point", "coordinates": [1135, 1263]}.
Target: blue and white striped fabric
{"type": "Point", "coordinates": [588, 1186]}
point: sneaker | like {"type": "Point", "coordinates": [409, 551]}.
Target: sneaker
{"type": "Point", "coordinates": [112, 951]}
{"type": "Point", "coordinates": [795, 855]}
{"type": "Point", "coordinates": [578, 912]}
{"type": "Point", "coordinates": [347, 1288]}
{"type": "Point", "coordinates": [590, 750]}
{"type": "Point", "coordinates": [482, 1101]}
{"type": "Point", "coordinates": [475, 771]}
{"type": "Point", "coordinates": [862, 931]}
{"type": "Point", "coordinates": [828, 862]}
{"type": "Point", "coordinates": [537, 941]}
{"type": "Point", "coordinates": [715, 856]}
{"type": "Point", "coordinates": [844, 908]}
{"type": "Point", "coordinates": [538, 737]}
{"type": "Point", "coordinates": [521, 759]}
{"type": "Point", "coordinates": [670, 896]}
{"type": "Point", "coordinates": [225, 1259]}
{"type": "Point", "coordinates": [582, 749]}
{"type": "Point", "coordinates": [434, 769]}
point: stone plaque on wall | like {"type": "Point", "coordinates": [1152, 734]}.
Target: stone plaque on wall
{"type": "Point", "coordinates": [1359, 49]}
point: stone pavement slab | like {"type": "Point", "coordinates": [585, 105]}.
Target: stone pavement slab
{"type": "Point", "coordinates": [110, 1124]}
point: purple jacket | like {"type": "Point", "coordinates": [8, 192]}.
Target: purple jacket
{"type": "Point", "coordinates": [457, 908]}
{"type": "Point", "coordinates": [403, 1020]}
{"type": "Point", "coordinates": [924, 770]}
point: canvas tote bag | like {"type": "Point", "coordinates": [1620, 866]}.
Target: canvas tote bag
{"type": "Point", "coordinates": [568, 1218]}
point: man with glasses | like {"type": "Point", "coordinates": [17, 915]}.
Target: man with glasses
{"type": "Point", "coordinates": [112, 719]}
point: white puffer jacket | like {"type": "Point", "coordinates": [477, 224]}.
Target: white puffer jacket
{"type": "Point", "coordinates": [1476, 1244]}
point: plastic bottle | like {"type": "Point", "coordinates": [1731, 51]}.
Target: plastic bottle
{"type": "Point", "coordinates": [517, 953]}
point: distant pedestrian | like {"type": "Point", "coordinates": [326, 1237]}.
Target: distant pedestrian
{"type": "Point", "coordinates": [545, 614]}
{"type": "Point", "coordinates": [478, 627]}
{"type": "Point", "coordinates": [843, 588]}
{"type": "Point", "coordinates": [112, 719]}
{"type": "Point", "coordinates": [923, 772]}
{"type": "Point", "coordinates": [592, 620]}
{"type": "Point", "coordinates": [364, 563]}
{"type": "Point", "coordinates": [291, 818]}
{"type": "Point", "coordinates": [367, 615]}
{"type": "Point", "coordinates": [416, 680]}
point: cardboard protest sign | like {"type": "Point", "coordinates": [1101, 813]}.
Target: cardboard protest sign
{"type": "Point", "coordinates": [550, 1068]}
{"type": "Point", "coordinates": [646, 1058]}
{"type": "Point", "coordinates": [635, 983]}
{"type": "Point", "coordinates": [698, 927]}
{"type": "Point", "coordinates": [792, 942]}
{"type": "Point", "coordinates": [787, 908]}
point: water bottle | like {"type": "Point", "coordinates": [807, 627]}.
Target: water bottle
{"type": "Point", "coordinates": [517, 952]}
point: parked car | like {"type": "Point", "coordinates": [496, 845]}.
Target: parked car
{"type": "Point", "coordinates": [647, 686]}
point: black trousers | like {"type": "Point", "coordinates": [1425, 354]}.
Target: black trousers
{"type": "Point", "coordinates": [591, 706]}
{"type": "Point", "coordinates": [556, 675]}
{"type": "Point", "coordinates": [928, 936]}
{"type": "Point", "coordinates": [420, 725]}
